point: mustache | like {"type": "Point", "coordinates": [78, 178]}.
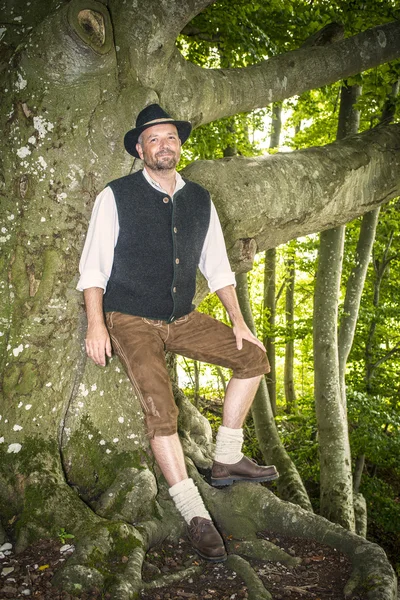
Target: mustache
{"type": "Point", "coordinates": [165, 152]}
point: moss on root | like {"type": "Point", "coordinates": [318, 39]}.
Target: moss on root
{"type": "Point", "coordinates": [96, 473]}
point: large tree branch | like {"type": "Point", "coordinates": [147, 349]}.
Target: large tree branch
{"type": "Point", "coordinates": [277, 198]}
{"type": "Point", "coordinates": [208, 94]}
{"type": "Point", "coordinates": [145, 33]}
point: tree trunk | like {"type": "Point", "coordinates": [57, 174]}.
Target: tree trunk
{"type": "Point", "coordinates": [335, 459]}
{"type": "Point", "coordinates": [355, 283]}
{"type": "Point", "coordinates": [334, 447]}
{"type": "Point", "coordinates": [196, 397]}
{"type": "Point", "coordinates": [269, 339]}
{"type": "Point", "coordinates": [354, 288]}
{"type": "Point", "coordinates": [73, 448]}
{"type": "Point", "coordinates": [222, 378]}
{"type": "Point", "coordinates": [270, 274]}
{"type": "Point", "coordinates": [290, 485]}
{"type": "Point", "coordinates": [290, 392]}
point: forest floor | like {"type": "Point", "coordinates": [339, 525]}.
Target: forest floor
{"type": "Point", "coordinates": [321, 575]}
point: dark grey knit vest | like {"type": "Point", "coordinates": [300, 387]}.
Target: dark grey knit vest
{"type": "Point", "coordinates": [158, 248]}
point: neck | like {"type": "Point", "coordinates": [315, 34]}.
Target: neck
{"type": "Point", "coordinates": [166, 178]}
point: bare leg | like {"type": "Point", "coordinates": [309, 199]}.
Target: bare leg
{"type": "Point", "coordinates": [167, 450]}
{"type": "Point", "coordinates": [238, 399]}
{"type": "Point", "coordinates": [230, 464]}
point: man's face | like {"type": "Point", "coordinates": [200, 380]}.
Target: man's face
{"type": "Point", "coordinates": [160, 148]}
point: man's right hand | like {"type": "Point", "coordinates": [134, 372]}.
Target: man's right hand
{"type": "Point", "coordinates": [98, 344]}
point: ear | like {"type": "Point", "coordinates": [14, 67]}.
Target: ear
{"type": "Point", "coordinates": [139, 150]}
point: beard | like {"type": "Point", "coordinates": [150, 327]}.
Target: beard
{"type": "Point", "coordinates": [162, 161]}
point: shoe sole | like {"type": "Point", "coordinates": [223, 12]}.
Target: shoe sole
{"type": "Point", "coordinates": [213, 559]}
{"type": "Point", "coordinates": [230, 480]}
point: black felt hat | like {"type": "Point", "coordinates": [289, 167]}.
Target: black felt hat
{"type": "Point", "coordinates": [149, 116]}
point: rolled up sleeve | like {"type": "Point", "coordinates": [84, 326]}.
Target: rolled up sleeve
{"type": "Point", "coordinates": [214, 262]}
{"type": "Point", "coordinates": [98, 252]}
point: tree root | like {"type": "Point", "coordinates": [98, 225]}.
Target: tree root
{"type": "Point", "coordinates": [261, 550]}
{"type": "Point", "coordinates": [254, 584]}
{"type": "Point", "coordinates": [98, 557]}
{"type": "Point", "coordinates": [372, 575]}
{"type": "Point", "coordinates": [128, 585]}
{"type": "Point", "coordinates": [173, 577]}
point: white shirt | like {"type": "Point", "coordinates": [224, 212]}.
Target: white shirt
{"type": "Point", "coordinates": [98, 253]}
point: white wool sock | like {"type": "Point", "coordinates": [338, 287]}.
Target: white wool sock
{"type": "Point", "coordinates": [188, 501]}
{"type": "Point", "coordinates": [229, 445]}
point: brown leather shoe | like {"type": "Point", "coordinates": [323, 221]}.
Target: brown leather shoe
{"type": "Point", "coordinates": [206, 540]}
{"type": "Point", "coordinates": [244, 470]}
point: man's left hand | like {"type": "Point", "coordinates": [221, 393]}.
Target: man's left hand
{"type": "Point", "coordinates": [242, 332]}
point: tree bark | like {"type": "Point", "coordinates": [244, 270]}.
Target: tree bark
{"type": "Point", "coordinates": [196, 383]}
{"type": "Point", "coordinates": [354, 288]}
{"type": "Point", "coordinates": [212, 94]}
{"type": "Point", "coordinates": [290, 485]}
{"type": "Point", "coordinates": [290, 392]}
{"type": "Point", "coordinates": [270, 274]}
{"type": "Point", "coordinates": [336, 490]}
{"type": "Point", "coordinates": [355, 283]}
{"type": "Point", "coordinates": [269, 340]}
{"type": "Point", "coordinates": [288, 195]}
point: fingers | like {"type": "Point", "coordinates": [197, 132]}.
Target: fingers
{"type": "Point", "coordinates": [259, 343]}
{"type": "Point", "coordinates": [246, 334]}
{"type": "Point", "coordinates": [239, 342]}
{"type": "Point", "coordinates": [96, 349]}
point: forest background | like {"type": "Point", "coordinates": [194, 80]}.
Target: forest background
{"type": "Point", "coordinates": [282, 281]}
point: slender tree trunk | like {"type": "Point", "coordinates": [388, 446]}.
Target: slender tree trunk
{"type": "Point", "coordinates": [354, 288]}
{"type": "Point", "coordinates": [276, 125]}
{"type": "Point", "coordinates": [336, 489]}
{"type": "Point", "coordinates": [358, 471]}
{"type": "Point", "coordinates": [335, 459]}
{"type": "Point", "coordinates": [270, 305]}
{"type": "Point", "coordinates": [196, 383]}
{"type": "Point", "coordinates": [290, 392]}
{"type": "Point", "coordinates": [355, 283]}
{"type": "Point", "coordinates": [290, 485]}
{"type": "Point", "coordinates": [270, 275]}
{"type": "Point", "coordinates": [222, 378]}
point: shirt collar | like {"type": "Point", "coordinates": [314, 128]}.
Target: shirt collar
{"type": "Point", "coordinates": [179, 182]}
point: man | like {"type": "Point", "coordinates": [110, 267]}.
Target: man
{"type": "Point", "coordinates": [148, 234]}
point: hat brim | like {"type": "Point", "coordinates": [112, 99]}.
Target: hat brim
{"type": "Point", "coordinates": [131, 138]}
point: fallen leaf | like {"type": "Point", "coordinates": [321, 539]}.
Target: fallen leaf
{"type": "Point", "coordinates": [43, 567]}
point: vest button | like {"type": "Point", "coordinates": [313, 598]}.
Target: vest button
{"type": "Point", "coordinates": [174, 290]}
{"type": "Point", "coordinates": [177, 261]}
{"type": "Point", "coordinates": [175, 230]}
{"type": "Point", "coordinates": [165, 200]}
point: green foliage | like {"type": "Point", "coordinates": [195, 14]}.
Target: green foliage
{"type": "Point", "coordinates": [235, 33]}
{"type": "Point", "coordinates": [383, 502]}
{"type": "Point", "coordinates": [299, 434]}
{"type": "Point", "coordinates": [63, 536]}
